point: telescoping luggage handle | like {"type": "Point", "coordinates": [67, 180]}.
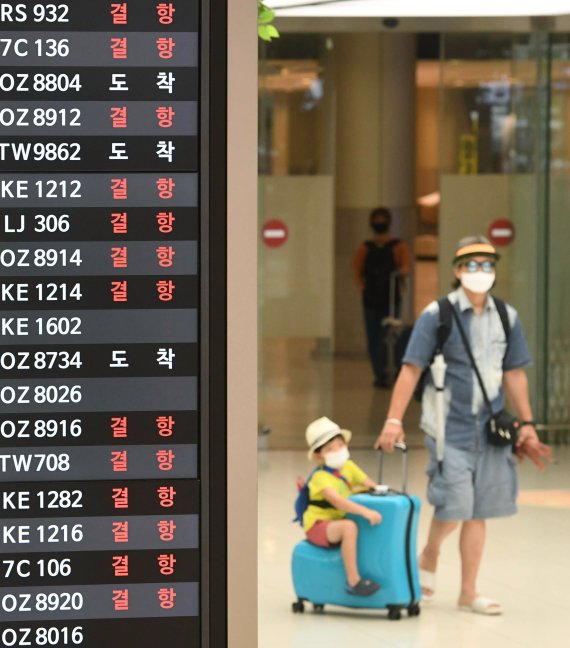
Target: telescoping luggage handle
{"type": "Point", "coordinates": [404, 449]}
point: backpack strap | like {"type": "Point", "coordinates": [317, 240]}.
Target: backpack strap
{"type": "Point", "coordinates": [390, 244]}
{"type": "Point", "coordinates": [503, 314]}
{"type": "Point", "coordinates": [336, 473]}
{"type": "Point", "coordinates": [444, 325]}
{"type": "Point", "coordinates": [324, 503]}
{"type": "Point", "coordinates": [446, 320]}
{"type": "Point", "coordinates": [443, 330]}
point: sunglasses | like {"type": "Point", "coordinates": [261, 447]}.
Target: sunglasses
{"type": "Point", "coordinates": [473, 266]}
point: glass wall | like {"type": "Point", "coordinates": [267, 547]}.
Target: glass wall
{"type": "Point", "coordinates": [493, 153]}
{"type": "Point", "coordinates": [296, 193]}
{"type": "Point", "coordinates": [557, 263]}
{"type": "Point", "coordinates": [504, 160]}
{"type": "Point", "coordinates": [296, 146]}
{"type": "Point", "coordinates": [489, 86]}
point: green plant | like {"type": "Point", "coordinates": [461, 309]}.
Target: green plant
{"type": "Point", "coordinates": [265, 16]}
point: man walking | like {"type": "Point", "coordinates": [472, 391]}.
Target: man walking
{"type": "Point", "coordinates": [476, 480]}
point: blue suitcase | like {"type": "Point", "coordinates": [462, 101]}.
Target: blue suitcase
{"type": "Point", "coordinates": [386, 554]}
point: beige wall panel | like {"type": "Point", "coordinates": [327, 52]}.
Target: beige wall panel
{"type": "Point", "coordinates": [559, 253]}
{"type": "Point", "coordinates": [242, 324]}
{"type": "Point", "coordinates": [351, 228]}
{"type": "Point", "coordinates": [298, 277]}
{"type": "Point", "coordinates": [469, 205]}
{"type": "Point", "coordinates": [520, 260]}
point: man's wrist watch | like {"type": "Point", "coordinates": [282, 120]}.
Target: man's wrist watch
{"type": "Point", "coordinates": [531, 423]}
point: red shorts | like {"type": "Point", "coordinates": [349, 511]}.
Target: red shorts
{"type": "Point", "coordinates": [317, 534]}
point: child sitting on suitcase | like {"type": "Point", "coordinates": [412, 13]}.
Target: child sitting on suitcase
{"type": "Point", "coordinates": [329, 488]}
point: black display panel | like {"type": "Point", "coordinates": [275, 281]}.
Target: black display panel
{"type": "Point", "coordinates": [100, 319]}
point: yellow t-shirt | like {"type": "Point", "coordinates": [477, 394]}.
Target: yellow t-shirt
{"type": "Point", "coordinates": [323, 479]}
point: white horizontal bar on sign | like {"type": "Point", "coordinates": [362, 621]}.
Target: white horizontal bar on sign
{"type": "Point", "coordinates": [418, 8]}
{"type": "Point", "coordinates": [274, 234]}
{"type": "Point", "coordinates": [501, 232]}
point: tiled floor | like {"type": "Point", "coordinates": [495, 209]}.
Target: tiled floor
{"type": "Point", "coordinates": [526, 567]}
{"type": "Point", "coordinates": [527, 559]}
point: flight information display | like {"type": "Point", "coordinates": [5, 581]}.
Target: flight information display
{"type": "Point", "coordinates": [99, 323]}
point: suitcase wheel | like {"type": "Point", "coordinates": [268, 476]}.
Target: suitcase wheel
{"type": "Point", "coordinates": [298, 607]}
{"type": "Point", "coordinates": [414, 610]}
{"type": "Point", "coordinates": [318, 608]}
{"type": "Point", "coordinates": [394, 613]}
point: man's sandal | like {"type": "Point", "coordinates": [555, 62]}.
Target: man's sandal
{"type": "Point", "coordinates": [483, 605]}
{"type": "Point", "coordinates": [427, 582]}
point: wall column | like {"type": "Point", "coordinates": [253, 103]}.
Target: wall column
{"type": "Point", "coordinates": [242, 325]}
{"type": "Point", "coordinates": [375, 141]}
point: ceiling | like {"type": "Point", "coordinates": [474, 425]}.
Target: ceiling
{"type": "Point", "coordinates": [418, 8]}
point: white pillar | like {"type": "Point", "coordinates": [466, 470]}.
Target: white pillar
{"type": "Point", "coordinates": [242, 325]}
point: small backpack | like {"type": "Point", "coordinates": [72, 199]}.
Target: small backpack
{"type": "Point", "coordinates": [303, 498]}
{"type": "Point", "coordinates": [444, 329]}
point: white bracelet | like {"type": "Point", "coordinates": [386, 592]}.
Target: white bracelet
{"type": "Point", "coordinates": [393, 421]}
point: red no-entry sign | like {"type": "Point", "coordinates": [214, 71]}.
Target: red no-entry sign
{"type": "Point", "coordinates": [501, 232]}
{"type": "Point", "coordinates": [275, 233]}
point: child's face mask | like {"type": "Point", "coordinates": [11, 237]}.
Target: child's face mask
{"type": "Point", "coordinates": [337, 459]}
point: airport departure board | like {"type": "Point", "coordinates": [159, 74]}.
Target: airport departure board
{"type": "Point", "coordinates": [99, 323]}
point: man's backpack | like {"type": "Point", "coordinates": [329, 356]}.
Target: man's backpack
{"type": "Point", "coordinates": [379, 265]}
{"type": "Point", "coordinates": [444, 329]}
{"type": "Point", "coordinates": [303, 498]}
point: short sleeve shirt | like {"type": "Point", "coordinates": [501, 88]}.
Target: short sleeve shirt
{"type": "Point", "coordinates": [322, 479]}
{"type": "Point", "coordinates": [466, 413]}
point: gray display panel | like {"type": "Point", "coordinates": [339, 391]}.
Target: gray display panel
{"type": "Point", "coordinates": [83, 119]}
{"type": "Point", "coordinates": [98, 533]}
{"type": "Point", "coordinates": [98, 601]}
{"type": "Point", "coordinates": [99, 335]}
{"type": "Point", "coordinates": [87, 259]}
{"type": "Point", "coordinates": [94, 462]}
{"type": "Point", "coordinates": [98, 395]}
{"type": "Point", "coordinates": [98, 190]}
{"type": "Point", "coordinates": [149, 49]}
{"type": "Point", "coordinates": [97, 327]}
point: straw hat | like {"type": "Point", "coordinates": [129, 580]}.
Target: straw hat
{"type": "Point", "coordinates": [322, 430]}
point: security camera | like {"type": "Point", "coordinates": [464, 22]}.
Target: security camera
{"type": "Point", "coordinates": [390, 23]}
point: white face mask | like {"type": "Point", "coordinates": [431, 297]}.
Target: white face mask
{"type": "Point", "coordinates": [337, 459]}
{"type": "Point", "coordinates": [477, 282]}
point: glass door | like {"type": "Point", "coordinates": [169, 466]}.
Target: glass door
{"type": "Point", "coordinates": [494, 147]}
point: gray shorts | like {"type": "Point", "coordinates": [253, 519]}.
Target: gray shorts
{"type": "Point", "coordinates": [474, 485]}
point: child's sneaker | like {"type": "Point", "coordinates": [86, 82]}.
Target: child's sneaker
{"type": "Point", "coordinates": [363, 588]}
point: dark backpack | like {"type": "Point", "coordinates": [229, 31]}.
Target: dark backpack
{"type": "Point", "coordinates": [303, 499]}
{"type": "Point", "coordinates": [379, 265]}
{"type": "Point", "coordinates": [444, 329]}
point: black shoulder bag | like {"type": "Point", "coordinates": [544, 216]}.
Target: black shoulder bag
{"type": "Point", "coordinates": [502, 428]}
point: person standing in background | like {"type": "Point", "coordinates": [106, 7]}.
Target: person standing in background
{"type": "Point", "coordinates": [374, 263]}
